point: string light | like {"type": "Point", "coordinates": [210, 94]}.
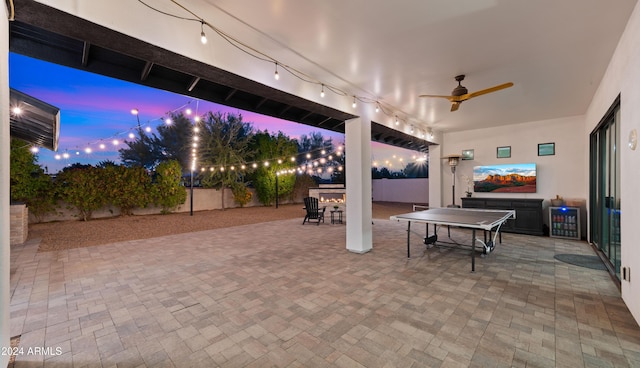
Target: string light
{"type": "Point", "coordinates": [203, 37]}
{"type": "Point", "coordinates": [380, 106]}
{"type": "Point", "coordinates": [397, 121]}
{"type": "Point", "coordinates": [34, 149]}
{"type": "Point", "coordinates": [17, 110]}
{"type": "Point", "coordinates": [318, 163]}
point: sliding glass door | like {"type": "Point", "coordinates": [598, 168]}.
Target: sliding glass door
{"type": "Point", "coordinates": [605, 187]}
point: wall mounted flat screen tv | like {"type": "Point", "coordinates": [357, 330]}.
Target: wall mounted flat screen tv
{"type": "Point", "coordinates": [509, 178]}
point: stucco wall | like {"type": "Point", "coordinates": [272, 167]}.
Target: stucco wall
{"type": "Point", "coordinates": [562, 174]}
{"type": "Point", "coordinates": [203, 200]}
{"type": "Point", "coordinates": [401, 190]}
{"type": "Point", "coordinates": [622, 78]}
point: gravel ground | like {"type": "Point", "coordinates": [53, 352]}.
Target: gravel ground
{"type": "Point", "coordinates": [78, 234]}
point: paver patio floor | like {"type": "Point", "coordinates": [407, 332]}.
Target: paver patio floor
{"type": "Point", "coordinates": [280, 294]}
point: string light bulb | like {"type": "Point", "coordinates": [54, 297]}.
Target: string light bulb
{"type": "Point", "coordinates": [397, 121]}
{"type": "Point", "coordinates": [203, 37]}
{"type": "Point", "coordinates": [276, 75]}
{"type": "Point", "coordinates": [322, 91]}
{"type": "Point", "coordinates": [354, 102]}
{"type": "Point", "coordinates": [377, 107]}
{"type": "Point", "coordinates": [16, 110]}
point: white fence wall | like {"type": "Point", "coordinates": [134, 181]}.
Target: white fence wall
{"type": "Point", "coordinates": [401, 190]}
{"type": "Point", "coordinates": [203, 200]}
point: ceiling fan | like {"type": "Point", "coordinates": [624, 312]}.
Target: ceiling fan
{"type": "Point", "coordinates": [460, 93]}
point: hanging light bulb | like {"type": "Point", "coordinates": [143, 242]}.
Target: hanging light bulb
{"type": "Point", "coordinates": [354, 102]}
{"type": "Point", "coordinates": [322, 92]}
{"type": "Point", "coordinates": [115, 142]}
{"type": "Point", "coordinates": [411, 129]}
{"type": "Point", "coordinates": [397, 121]}
{"type": "Point", "coordinates": [34, 149]}
{"type": "Point", "coordinates": [102, 146]}
{"type": "Point", "coordinates": [203, 37]}
{"type": "Point", "coordinates": [65, 155]}
{"type": "Point", "coordinates": [131, 135]}
{"type": "Point", "coordinates": [168, 121]}
{"type": "Point", "coordinates": [276, 75]}
{"type": "Point", "coordinates": [16, 110]}
{"type": "Point", "coordinates": [148, 129]}
{"type": "Point", "coordinates": [377, 107]}
{"type": "Point", "coordinates": [57, 156]}
{"type": "Point", "coordinates": [87, 150]}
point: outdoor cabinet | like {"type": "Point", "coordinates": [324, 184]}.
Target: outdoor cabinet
{"type": "Point", "coordinates": [529, 217]}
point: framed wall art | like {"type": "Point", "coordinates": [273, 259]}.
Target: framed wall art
{"type": "Point", "coordinates": [503, 152]}
{"type": "Point", "coordinates": [546, 149]}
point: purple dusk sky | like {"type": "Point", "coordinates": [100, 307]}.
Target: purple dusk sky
{"type": "Point", "coordinates": [96, 109]}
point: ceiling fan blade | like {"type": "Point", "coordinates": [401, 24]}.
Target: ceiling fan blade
{"type": "Point", "coordinates": [455, 105]}
{"type": "Point", "coordinates": [450, 98]}
{"type": "Point", "coordinates": [488, 90]}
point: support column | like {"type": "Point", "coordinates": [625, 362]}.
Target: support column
{"type": "Point", "coordinates": [358, 185]}
{"type": "Point", "coordinates": [5, 142]}
{"type": "Point", "coordinates": [435, 176]}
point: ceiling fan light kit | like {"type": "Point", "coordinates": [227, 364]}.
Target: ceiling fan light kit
{"type": "Point", "coordinates": [461, 93]}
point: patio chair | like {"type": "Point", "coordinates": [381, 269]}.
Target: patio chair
{"type": "Point", "coordinates": [314, 213]}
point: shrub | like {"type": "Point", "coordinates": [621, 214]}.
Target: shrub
{"type": "Point", "coordinates": [241, 193]}
{"type": "Point", "coordinates": [83, 188]}
{"type": "Point", "coordinates": [167, 191]}
{"type": "Point", "coordinates": [28, 181]}
{"type": "Point", "coordinates": [127, 188]}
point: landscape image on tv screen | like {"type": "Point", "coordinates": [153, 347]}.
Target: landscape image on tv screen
{"type": "Point", "coordinates": [509, 178]}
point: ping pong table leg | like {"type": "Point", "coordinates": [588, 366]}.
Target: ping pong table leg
{"type": "Point", "coordinates": [409, 239]}
{"type": "Point", "coordinates": [473, 250]}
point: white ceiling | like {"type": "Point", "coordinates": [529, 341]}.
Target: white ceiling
{"type": "Point", "coordinates": [555, 52]}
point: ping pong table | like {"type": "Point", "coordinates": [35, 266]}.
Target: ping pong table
{"type": "Point", "coordinates": [469, 218]}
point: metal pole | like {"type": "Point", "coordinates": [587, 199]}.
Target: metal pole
{"type": "Point", "coordinates": [191, 195]}
{"type": "Point", "coordinates": [276, 190]}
